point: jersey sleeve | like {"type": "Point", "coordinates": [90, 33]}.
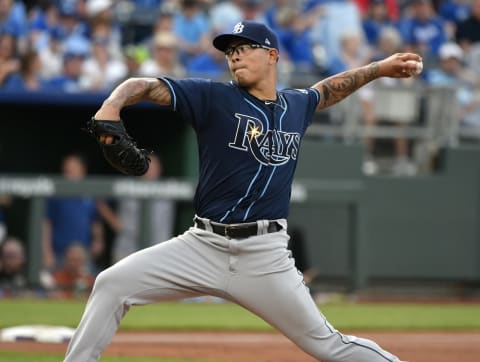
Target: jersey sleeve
{"type": "Point", "coordinates": [313, 100]}
{"type": "Point", "coordinates": [305, 102]}
{"type": "Point", "coordinates": [190, 97]}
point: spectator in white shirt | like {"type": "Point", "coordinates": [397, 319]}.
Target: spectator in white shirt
{"type": "Point", "coordinates": [102, 72]}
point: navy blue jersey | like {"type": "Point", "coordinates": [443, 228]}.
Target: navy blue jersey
{"type": "Point", "coordinates": [248, 148]}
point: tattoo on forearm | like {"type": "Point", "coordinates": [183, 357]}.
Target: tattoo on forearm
{"type": "Point", "coordinates": [137, 89]}
{"type": "Point", "coordinates": [338, 87]}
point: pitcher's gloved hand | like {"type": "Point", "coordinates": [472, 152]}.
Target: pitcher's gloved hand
{"type": "Point", "coordinates": [118, 147]}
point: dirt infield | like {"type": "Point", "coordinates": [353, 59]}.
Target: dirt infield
{"type": "Point", "coordinates": [273, 347]}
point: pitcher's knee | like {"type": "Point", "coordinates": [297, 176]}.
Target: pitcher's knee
{"type": "Point", "coordinates": [107, 281]}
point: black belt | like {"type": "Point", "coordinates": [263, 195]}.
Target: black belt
{"type": "Point", "coordinates": [236, 231]}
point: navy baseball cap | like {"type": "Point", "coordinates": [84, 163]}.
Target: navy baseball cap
{"type": "Point", "coordinates": [257, 33]}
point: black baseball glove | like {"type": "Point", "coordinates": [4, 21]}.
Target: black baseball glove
{"type": "Point", "coordinates": [122, 153]}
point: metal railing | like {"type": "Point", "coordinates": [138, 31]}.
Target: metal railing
{"type": "Point", "coordinates": [38, 189]}
{"type": "Point", "coordinates": [428, 116]}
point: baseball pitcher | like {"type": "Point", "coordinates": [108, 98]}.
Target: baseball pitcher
{"type": "Point", "coordinates": [249, 137]}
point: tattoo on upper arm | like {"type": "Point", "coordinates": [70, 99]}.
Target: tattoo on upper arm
{"type": "Point", "coordinates": [338, 87]}
{"type": "Point", "coordinates": [137, 89]}
{"type": "Point", "coordinates": [160, 93]}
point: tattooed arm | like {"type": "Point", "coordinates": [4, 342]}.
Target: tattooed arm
{"type": "Point", "coordinates": [133, 91]}
{"type": "Point", "coordinates": [340, 86]}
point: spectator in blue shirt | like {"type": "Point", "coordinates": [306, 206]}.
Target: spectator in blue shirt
{"type": "Point", "coordinates": [191, 27]}
{"type": "Point", "coordinates": [71, 220]}
{"type": "Point", "coordinates": [272, 12]}
{"type": "Point", "coordinates": [426, 31]}
{"type": "Point", "coordinates": [45, 22]}
{"type": "Point", "coordinates": [293, 29]}
{"type": "Point", "coordinates": [71, 25]}
{"type": "Point", "coordinates": [210, 64]}
{"type": "Point", "coordinates": [28, 78]}
{"type": "Point", "coordinates": [69, 80]}
{"type": "Point", "coordinates": [454, 11]}
{"type": "Point", "coordinates": [13, 18]}
{"type": "Point", "coordinates": [76, 50]}
{"type": "Point", "coordinates": [377, 19]}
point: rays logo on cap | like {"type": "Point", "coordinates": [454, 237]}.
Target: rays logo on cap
{"type": "Point", "coordinates": [238, 28]}
{"type": "Point", "coordinates": [267, 41]}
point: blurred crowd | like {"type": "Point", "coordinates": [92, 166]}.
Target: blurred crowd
{"type": "Point", "coordinates": [74, 46]}
{"type": "Point", "coordinates": [81, 236]}
{"type": "Point", "coordinates": [92, 45]}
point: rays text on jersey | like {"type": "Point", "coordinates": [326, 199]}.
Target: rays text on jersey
{"type": "Point", "coordinates": [273, 147]}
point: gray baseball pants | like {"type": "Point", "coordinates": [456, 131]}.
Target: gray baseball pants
{"type": "Point", "coordinates": [257, 273]}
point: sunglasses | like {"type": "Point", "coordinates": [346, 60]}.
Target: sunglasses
{"type": "Point", "coordinates": [243, 49]}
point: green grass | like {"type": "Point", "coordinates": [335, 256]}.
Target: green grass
{"type": "Point", "coordinates": [404, 316]}
{"type": "Point", "coordinates": [29, 357]}
{"type": "Point", "coordinates": [204, 316]}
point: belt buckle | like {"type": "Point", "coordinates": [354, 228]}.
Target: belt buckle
{"type": "Point", "coordinates": [232, 227]}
